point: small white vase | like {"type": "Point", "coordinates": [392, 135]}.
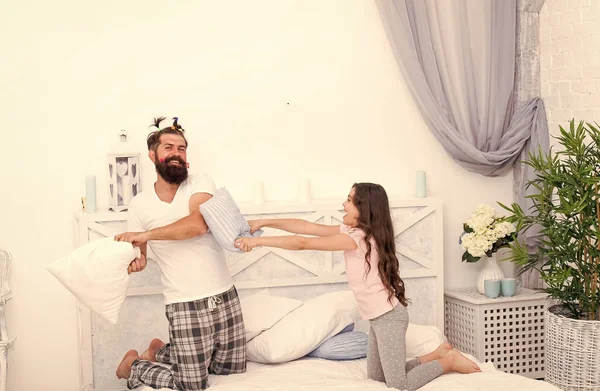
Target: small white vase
{"type": "Point", "coordinates": [490, 271]}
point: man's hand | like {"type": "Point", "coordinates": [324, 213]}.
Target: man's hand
{"type": "Point", "coordinates": [245, 244]}
{"type": "Point", "coordinates": [135, 238]}
{"type": "Point", "coordinates": [137, 265]}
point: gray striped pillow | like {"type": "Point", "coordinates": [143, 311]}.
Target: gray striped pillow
{"type": "Point", "coordinates": [344, 346]}
{"type": "Point", "coordinates": [225, 220]}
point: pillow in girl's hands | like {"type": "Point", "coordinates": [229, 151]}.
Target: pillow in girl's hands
{"type": "Point", "coordinates": [225, 220]}
{"type": "Point", "coordinates": [96, 274]}
{"type": "Point", "coordinates": [305, 328]}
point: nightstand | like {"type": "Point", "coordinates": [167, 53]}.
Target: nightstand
{"type": "Point", "coordinates": [507, 331]}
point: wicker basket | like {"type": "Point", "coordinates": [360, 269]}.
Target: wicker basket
{"type": "Point", "coordinates": [572, 353]}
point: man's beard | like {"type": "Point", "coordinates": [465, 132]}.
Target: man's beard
{"type": "Point", "coordinates": [174, 175]}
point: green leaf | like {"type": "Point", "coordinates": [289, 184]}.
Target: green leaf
{"type": "Point", "coordinates": [469, 258]}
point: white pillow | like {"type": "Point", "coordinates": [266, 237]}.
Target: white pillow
{"type": "Point", "coordinates": [261, 311]}
{"type": "Point", "coordinates": [96, 274]}
{"type": "Point", "coordinates": [305, 328]}
{"type": "Point", "coordinates": [422, 339]}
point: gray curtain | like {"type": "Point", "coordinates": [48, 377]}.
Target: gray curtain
{"type": "Point", "coordinates": [458, 59]}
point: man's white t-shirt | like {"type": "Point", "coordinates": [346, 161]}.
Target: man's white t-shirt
{"type": "Point", "coordinates": [191, 269]}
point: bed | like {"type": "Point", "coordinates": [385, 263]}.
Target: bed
{"type": "Point", "coordinates": [318, 374]}
{"type": "Point", "coordinates": [301, 276]}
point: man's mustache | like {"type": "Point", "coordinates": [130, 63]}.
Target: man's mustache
{"type": "Point", "coordinates": [173, 158]}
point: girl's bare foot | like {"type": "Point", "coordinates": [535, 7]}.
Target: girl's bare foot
{"type": "Point", "coordinates": [443, 349]}
{"type": "Point", "coordinates": [124, 368]}
{"type": "Point", "coordinates": [461, 364]}
{"type": "Point", "coordinates": [153, 348]}
{"type": "Point", "coordinates": [437, 354]}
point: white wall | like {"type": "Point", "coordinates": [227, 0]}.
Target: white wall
{"type": "Point", "coordinates": [74, 73]}
{"type": "Point", "coordinates": [570, 61]}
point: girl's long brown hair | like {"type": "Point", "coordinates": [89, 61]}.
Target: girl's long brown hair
{"type": "Point", "coordinates": [375, 220]}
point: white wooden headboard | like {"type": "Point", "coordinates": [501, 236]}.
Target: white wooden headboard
{"type": "Point", "coordinates": [300, 274]}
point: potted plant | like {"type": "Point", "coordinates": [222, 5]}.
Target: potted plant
{"type": "Point", "coordinates": [483, 235]}
{"type": "Point", "coordinates": [566, 210]}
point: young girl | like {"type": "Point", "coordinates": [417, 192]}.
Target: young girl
{"type": "Point", "coordinates": [367, 239]}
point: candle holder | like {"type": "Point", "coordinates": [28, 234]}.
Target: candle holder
{"type": "Point", "coordinates": [124, 180]}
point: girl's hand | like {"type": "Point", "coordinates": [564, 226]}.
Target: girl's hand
{"type": "Point", "coordinates": [255, 225]}
{"type": "Point", "coordinates": [245, 244]}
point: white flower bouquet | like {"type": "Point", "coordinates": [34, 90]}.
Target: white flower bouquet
{"type": "Point", "coordinates": [485, 233]}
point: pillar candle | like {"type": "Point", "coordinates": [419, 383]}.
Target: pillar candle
{"type": "Point", "coordinates": [90, 193]}
{"type": "Point", "coordinates": [304, 191]}
{"type": "Point", "coordinates": [258, 193]}
{"type": "Point", "coordinates": [421, 190]}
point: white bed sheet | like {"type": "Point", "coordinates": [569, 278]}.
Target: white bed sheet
{"type": "Point", "coordinates": [324, 375]}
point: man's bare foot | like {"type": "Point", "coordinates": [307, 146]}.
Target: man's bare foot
{"type": "Point", "coordinates": [443, 349]}
{"type": "Point", "coordinates": [461, 364]}
{"type": "Point", "coordinates": [150, 353]}
{"type": "Point", "coordinates": [124, 368]}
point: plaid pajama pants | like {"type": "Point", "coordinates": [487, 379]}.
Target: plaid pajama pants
{"type": "Point", "coordinates": [206, 336]}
